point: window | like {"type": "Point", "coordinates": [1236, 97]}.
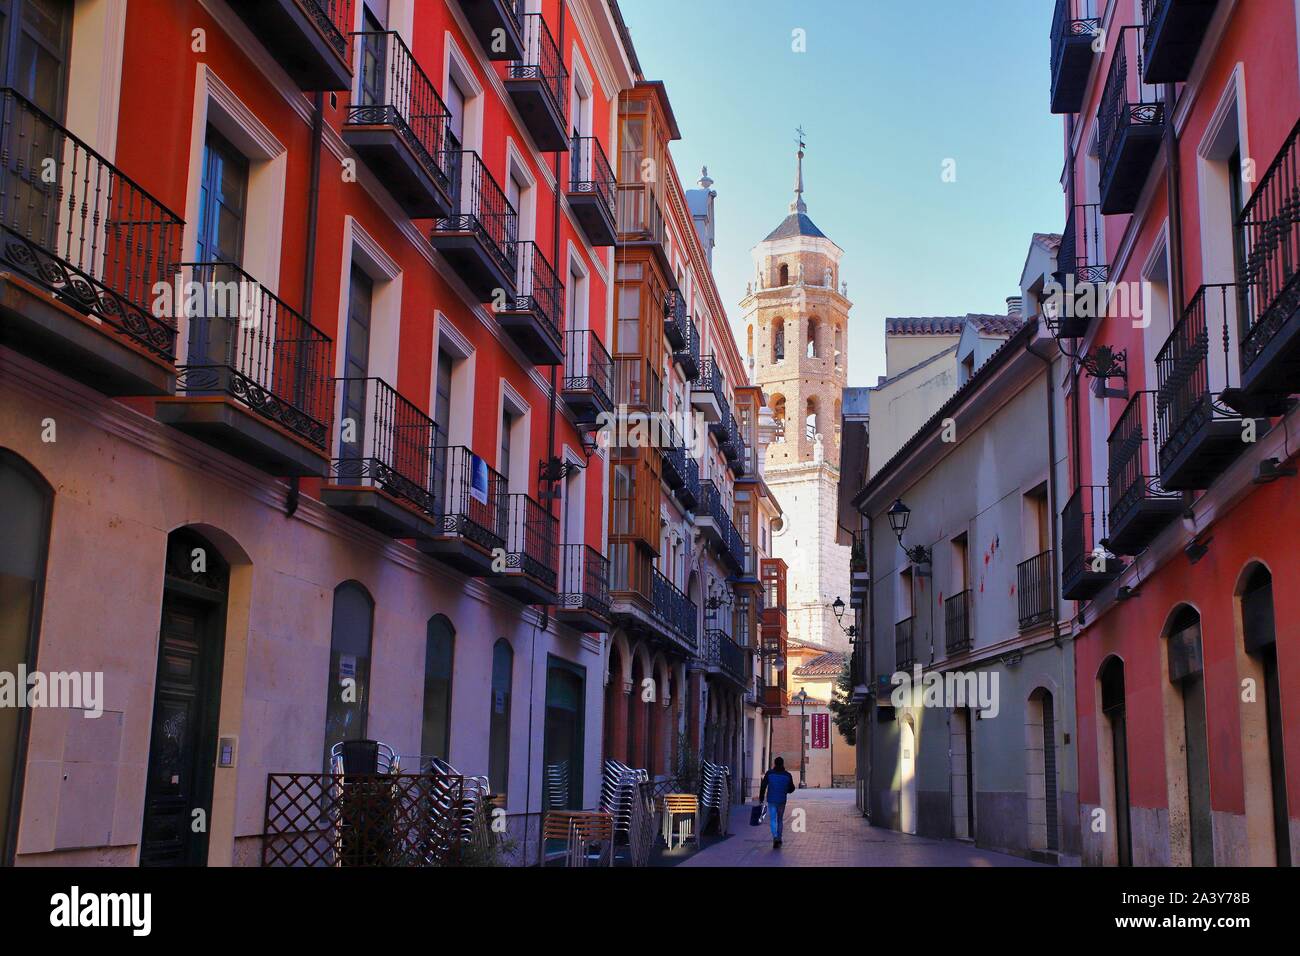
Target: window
{"type": "Point", "coordinates": [439, 646]}
{"type": "Point", "coordinates": [348, 685]}
{"type": "Point", "coordinates": [373, 55]}
{"type": "Point", "coordinates": [784, 275]}
{"type": "Point", "coordinates": [442, 392]}
{"type": "Point", "coordinates": [356, 362]}
{"type": "Point", "coordinates": [25, 503]}
{"type": "Point", "coordinates": [960, 564]}
{"type": "Point", "coordinates": [778, 340]}
{"type": "Point", "coordinates": [223, 202]}
{"type": "Point", "coordinates": [503, 663]}
{"type": "Point", "coordinates": [35, 37]}
{"type": "Point", "coordinates": [810, 420]}
{"type": "Point", "coordinates": [455, 100]}
{"type": "Point", "coordinates": [812, 338]}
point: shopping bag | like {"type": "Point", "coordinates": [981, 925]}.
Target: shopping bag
{"type": "Point", "coordinates": [756, 815]}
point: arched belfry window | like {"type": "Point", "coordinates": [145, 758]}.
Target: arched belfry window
{"type": "Point", "coordinates": [778, 413]}
{"type": "Point", "coordinates": [810, 420]}
{"type": "Point", "coordinates": [778, 340]}
{"type": "Point", "coordinates": [784, 274]}
{"type": "Point", "coordinates": [812, 338]}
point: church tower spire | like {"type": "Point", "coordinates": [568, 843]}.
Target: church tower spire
{"type": "Point", "coordinates": [799, 206]}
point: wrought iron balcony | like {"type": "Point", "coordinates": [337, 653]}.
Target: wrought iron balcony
{"type": "Point", "coordinates": [674, 458]}
{"type": "Point", "coordinates": [584, 589]}
{"type": "Point", "coordinates": [676, 611]}
{"type": "Point", "coordinates": [1086, 565]}
{"type": "Point", "coordinates": [386, 470]}
{"type": "Point", "coordinates": [539, 85]}
{"type": "Point", "coordinates": [588, 374]}
{"type": "Point", "coordinates": [480, 238]}
{"type": "Point", "coordinates": [532, 551]}
{"type": "Point", "coordinates": [708, 392]}
{"type": "Point", "coordinates": [498, 25]}
{"type": "Point", "coordinates": [591, 190]}
{"type": "Point", "coordinates": [79, 259]}
{"type": "Point", "coordinates": [725, 656]}
{"type": "Point", "coordinates": [675, 319]}
{"type": "Point", "coordinates": [1034, 590]}
{"type": "Point", "coordinates": [716, 526]}
{"type": "Point", "coordinates": [1075, 26]}
{"type": "Point", "coordinates": [956, 622]}
{"type": "Point", "coordinates": [470, 512]}
{"type": "Point", "coordinates": [1131, 123]}
{"type": "Point", "coordinates": [1174, 31]}
{"type": "Point", "coordinates": [689, 492]}
{"type": "Point", "coordinates": [1081, 272]}
{"type": "Point", "coordinates": [1197, 434]}
{"type": "Point", "coordinates": [1269, 229]}
{"type": "Point", "coordinates": [742, 463]}
{"type": "Point", "coordinates": [257, 380]}
{"type": "Point", "coordinates": [1140, 507]}
{"type": "Point", "coordinates": [726, 432]}
{"type": "Point", "coordinates": [400, 128]}
{"type": "Point", "coordinates": [308, 38]}
{"type": "Point", "coordinates": [688, 356]}
{"type": "Point", "coordinates": [641, 221]}
{"type": "Point", "coordinates": [532, 317]}
{"type": "Point", "coordinates": [904, 656]}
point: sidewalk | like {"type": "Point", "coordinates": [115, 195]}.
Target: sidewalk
{"type": "Point", "coordinates": [835, 834]}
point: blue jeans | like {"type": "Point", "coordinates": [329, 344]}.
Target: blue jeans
{"type": "Point", "coordinates": [775, 815]}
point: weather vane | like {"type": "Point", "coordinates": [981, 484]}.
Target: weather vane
{"type": "Point", "coordinates": [799, 136]}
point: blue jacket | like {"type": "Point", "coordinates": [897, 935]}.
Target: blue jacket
{"type": "Point", "coordinates": [777, 785]}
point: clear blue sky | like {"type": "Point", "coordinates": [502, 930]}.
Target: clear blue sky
{"type": "Point", "coordinates": [886, 92]}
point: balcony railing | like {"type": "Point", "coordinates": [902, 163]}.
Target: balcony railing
{"type": "Point", "coordinates": [470, 497]}
{"type": "Point", "coordinates": [904, 657]}
{"type": "Point", "coordinates": [1269, 275]}
{"type": "Point", "coordinates": [590, 175]}
{"type": "Point", "coordinates": [541, 68]}
{"type": "Point", "coordinates": [675, 610]}
{"type": "Point", "coordinates": [386, 443]}
{"type": "Point", "coordinates": [92, 237]}
{"type": "Point", "coordinates": [484, 214]}
{"type": "Point", "coordinates": [1197, 435]}
{"type": "Point", "coordinates": [533, 315]}
{"type": "Point", "coordinates": [1131, 122]}
{"type": "Point", "coordinates": [247, 344]}
{"type": "Point", "coordinates": [532, 538]}
{"type": "Point", "coordinates": [722, 652]}
{"type": "Point", "coordinates": [1075, 23]}
{"type": "Point", "coordinates": [588, 372]}
{"type": "Point", "coordinates": [1086, 564]}
{"type": "Point", "coordinates": [499, 26]}
{"type": "Point", "coordinates": [308, 39]}
{"type": "Point", "coordinates": [584, 582]}
{"type": "Point", "coordinates": [639, 216]}
{"type": "Point", "coordinates": [689, 493]}
{"type": "Point", "coordinates": [688, 356]}
{"type": "Point", "coordinates": [674, 458]}
{"type": "Point", "coordinates": [675, 319]}
{"type": "Point", "coordinates": [1139, 504]}
{"type": "Point", "coordinates": [956, 620]}
{"type": "Point", "coordinates": [1080, 267]}
{"type": "Point", "coordinates": [1034, 590]}
{"type": "Point", "coordinates": [713, 507]}
{"type": "Point", "coordinates": [1174, 31]}
{"type": "Point", "coordinates": [395, 92]}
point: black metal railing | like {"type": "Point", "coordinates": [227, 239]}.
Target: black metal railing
{"type": "Point", "coordinates": [588, 366]}
{"type": "Point", "coordinates": [532, 538]}
{"type": "Point", "coordinates": [1187, 395]}
{"type": "Point", "coordinates": [1084, 527]}
{"type": "Point", "coordinates": [956, 622]}
{"type": "Point", "coordinates": [590, 171]}
{"type": "Point", "coordinates": [722, 652]}
{"type": "Point", "coordinates": [538, 289]}
{"type": "Point", "coordinates": [74, 224]}
{"type": "Point", "coordinates": [689, 492]}
{"type": "Point", "coordinates": [638, 214]}
{"type": "Point", "coordinates": [710, 380]}
{"type": "Point", "coordinates": [386, 442]}
{"type": "Point", "coordinates": [727, 433]}
{"type": "Point", "coordinates": [483, 209]}
{"type": "Point", "coordinates": [584, 580]}
{"type": "Point", "coordinates": [674, 609]}
{"type": "Point", "coordinates": [1072, 18]}
{"type": "Point", "coordinates": [712, 505]}
{"type": "Point", "coordinates": [675, 319]}
{"type": "Point", "coordinates": [334, 20]}
{"type": "Point", "coordinates": [395, 91]}
{"type": "Point", "coordinates": [688, 356]}
{"type": "Point", "coordinates": [1133, 476]}
{"type": "Point", "coordinates": [469, 498]}
{"type": "Point", "coordinates": [674, 456]}
{"type": "Point", "coordinates": [1269, 270]}
{"type": "Point", "coordinates": [542, 61]}
{"type": "Point", "coordinates": [1126, 100]}
{"type": "Point", "coordinates": [246, 343]}
{"type": "Point", "coordinates": [1081, 253]}
{"type": "Point", "coordinates": [904, 657]}
{"type": "Point", "coordinates": [1034, 590]}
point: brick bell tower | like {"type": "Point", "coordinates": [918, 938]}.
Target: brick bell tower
{"type": "Point", "coordinates": [796, 313]}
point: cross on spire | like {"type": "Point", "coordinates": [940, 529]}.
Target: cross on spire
{"type": "Point", "coordinates": [799, 205]}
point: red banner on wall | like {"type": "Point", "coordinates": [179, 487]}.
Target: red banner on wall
{"type": "Point", "coordinates": [821, 731]}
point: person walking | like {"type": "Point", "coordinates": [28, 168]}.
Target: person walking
{"type": "Point", "coordinates": [777, 785]}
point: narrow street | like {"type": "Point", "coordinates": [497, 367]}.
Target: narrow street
{"type": "Point", "coordinates": [835, 834]}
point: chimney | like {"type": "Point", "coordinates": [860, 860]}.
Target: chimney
{"type": "Point", "coordinates": [1014, 305]}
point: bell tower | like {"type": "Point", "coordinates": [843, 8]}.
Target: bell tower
{"type": "Point", "coordinates": [796, 313]}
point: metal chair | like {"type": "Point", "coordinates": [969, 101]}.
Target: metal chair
{"type": "Point", "coordinates": [682, 805]}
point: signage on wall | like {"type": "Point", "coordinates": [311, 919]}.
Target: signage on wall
{"type": "Point", "coordinates": [821, 731]}
{"type": "Point", "coordinates": [478, 479]}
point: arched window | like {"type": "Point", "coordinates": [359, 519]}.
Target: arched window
{"type": "Point", "coordinates": [778, 414]}
{"type": "Point", "coordinates": [1259, 634]}
{"type": "Point", "coordinates": [837, 344]}
{"type": "Point", "coordinates": [812, 338]}
{"type": "Point", "coordinates": [830, 278]}
{"type": "Point", "coordinates": [784, 274]}
{"type": "Point", "coordinates": [25, 502]}
{"type": "Point", "coordinates": [348, 688]}
{"type": "Point", "coordinates": [778, 339]}
{"type": "Point", "coordinates": [810, 420]}
{"type": "Point", "coordinates": [563, 743]}
{"type": "Point", "coordinates": [439, 653]}
{"type": "Point", "coordinates": [503, 665]}
{"type": "Point", "coordinates": [749, 341]}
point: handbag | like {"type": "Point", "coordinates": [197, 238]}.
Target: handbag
{"type": "Point", "coordinates": [756, 814]}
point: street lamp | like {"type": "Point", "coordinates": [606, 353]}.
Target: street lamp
{"type": "Point", "coordinates": [802, 698]}
{"type": "Point", "coordinates": [898, 515]}
{"type": "Point", "coordinates": [852, 630]}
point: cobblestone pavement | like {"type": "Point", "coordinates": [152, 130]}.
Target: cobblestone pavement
{"type": "Point", "coordinates": [835, 834]}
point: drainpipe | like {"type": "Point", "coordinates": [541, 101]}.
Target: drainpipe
{"type": "Point", "coordinates": [1175, 186]}
{"type": "Point", "coordinates": [309, 252]}
{"type": "Point", "coordinates": [1075, 465]}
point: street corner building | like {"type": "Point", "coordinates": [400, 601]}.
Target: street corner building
{"type": "Point", "coordinates": [1089, 499]}
{"type": "Point", "coordinates": [309, 313]}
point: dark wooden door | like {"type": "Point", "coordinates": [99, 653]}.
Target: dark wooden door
{"type": "Point", "coordinates": [182, 748]}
